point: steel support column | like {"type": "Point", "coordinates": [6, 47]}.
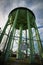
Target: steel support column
{"type": "Point", "coordinates": [10, 38]}
{"type": "Point", "coordinates": [13, 38]}
{"type": "Point", "coordinates": [12, 42]}
{"type": "Point", "coordinates": [7, 39]}
{"type": "Point", "coordinates": [26, 45]}
{"type": "Point", "coordinates": [30, 37]}
{"type": "Point", "coordinates": [19, 45]}
{"type": "Point", "coordinates": [2, 34]}
{"type": "Point", "coordinates": [39, 41]}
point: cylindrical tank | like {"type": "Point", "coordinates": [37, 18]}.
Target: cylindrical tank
{"type": "Point", "coordinates": [22, 17]}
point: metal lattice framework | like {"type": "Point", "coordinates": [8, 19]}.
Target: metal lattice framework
{"type": "Point", "coordinates": [21, 18]}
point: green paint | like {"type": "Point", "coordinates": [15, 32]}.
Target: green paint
{"type": "Point", "coordinates": [23, 19]}
{"type": "Point", "coordinates": [30, 38]}
{"type": "Point", "coordinates": [20, 42]}
{"type": "Point", "coordinates": [10, 39]}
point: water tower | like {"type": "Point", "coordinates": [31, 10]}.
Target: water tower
{"type": "Point", "coordinates": [22, 19]}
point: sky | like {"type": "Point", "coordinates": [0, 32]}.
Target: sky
{"type": "Point", "coordinates": [35, 5]}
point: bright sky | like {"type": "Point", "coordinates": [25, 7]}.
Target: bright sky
{"type": "Point", "coordinates": [35, 5]}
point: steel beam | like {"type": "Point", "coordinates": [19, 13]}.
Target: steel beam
{"type": "Point", "coordinates": [13, 39]}
{"type": "Point", "coordinates": [39, 41]}
{"type": "Point", "coordinates": [20, 42]}
{"type": "Point", "coordinates": [10, 38]}
{"type": "Point", "coordinates": [7, 39]}
{"type": "Point", "coordinates": [26, 45]}
{"type": "Point", "coordinates": [30, 37]}
{"type": "Point", "coordinates": [12, 42]}
{"type": "Point", "coordinates": [2, 34]}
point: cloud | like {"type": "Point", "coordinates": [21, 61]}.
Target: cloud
{"type": "Point", "coordinates": [33, 3]}
{"type": "Point", "coordinates": [37, 6]}
{"type": "Point", "coordinates": [3, 20]}
{"type": "Point", "coordinates": [7, 5]}
{"type": "Point", "coordinates": [22, 3]}
{"type": "Point", "coordinates": [40, 21]}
